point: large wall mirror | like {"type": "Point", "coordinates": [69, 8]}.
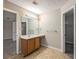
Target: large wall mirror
{"type": "Point", "coordinates": [29, 25]}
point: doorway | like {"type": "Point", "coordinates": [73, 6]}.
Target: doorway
{"type": "Point", "coordinates": [9, 34]}
{"type": "Point", "coordinates": [69, 33]}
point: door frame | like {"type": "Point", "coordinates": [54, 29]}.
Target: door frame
{"type": "Point", "coordinates": [64, 25]}
{"type": "Point", "coordinates": [17, 31]}
{"type": "Point", "coordinates": [63, 31]}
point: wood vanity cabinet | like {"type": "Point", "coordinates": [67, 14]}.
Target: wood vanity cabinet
{"type": "Point", "coordinates": [24, 47]}
{"type": "Point", "coordinates": [37, 43]}
{"type": "Point", "coordinates": [29, 45]}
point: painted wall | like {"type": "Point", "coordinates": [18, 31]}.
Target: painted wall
{"type": "Point", "coordinates": [50, 25]}
{"type": "Point", "coordinates": [67, 6]}
{"type": "Point", "coordinates": [7, 30]}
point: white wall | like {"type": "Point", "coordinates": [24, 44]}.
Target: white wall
{"type": "Point", "coordinates": [7, 30]}
{"type": "Point", "coordinates": [67, 6]}
{"type": "Point", "coordinates": [50, 25]}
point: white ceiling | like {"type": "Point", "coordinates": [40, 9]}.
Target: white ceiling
{"type": "Point", "coordinates": [43, 5]}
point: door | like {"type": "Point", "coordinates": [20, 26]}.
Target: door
{"type": "Point", "coordinates": [69, 32]}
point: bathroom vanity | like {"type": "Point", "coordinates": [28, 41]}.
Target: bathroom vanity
{"type": "Point", "coordinates": [29, 39]}
{"type": "Point", "coordinates": [30, 44]}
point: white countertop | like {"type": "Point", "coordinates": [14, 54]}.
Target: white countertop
{"type": "Point", "coordinates": [31, 36]}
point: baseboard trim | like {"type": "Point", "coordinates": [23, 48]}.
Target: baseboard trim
{"type": "Point", "coordinates": [51, 47]}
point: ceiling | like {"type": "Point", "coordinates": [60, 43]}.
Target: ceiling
{"type": "Point", "coordinates": [43, 5]}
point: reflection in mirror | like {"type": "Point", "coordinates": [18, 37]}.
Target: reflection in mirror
{"type": "Point", "coordinates": [29, 25]}
{"type": "Point", "coordinates": [23, 28]}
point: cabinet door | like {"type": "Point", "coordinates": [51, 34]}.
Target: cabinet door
{"type": "Point", "coordinates": [30, 45]}
{"type": "Point", "coordinates": [37, 42]}
{"type": "Point", "coordinates": [24, 47]}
